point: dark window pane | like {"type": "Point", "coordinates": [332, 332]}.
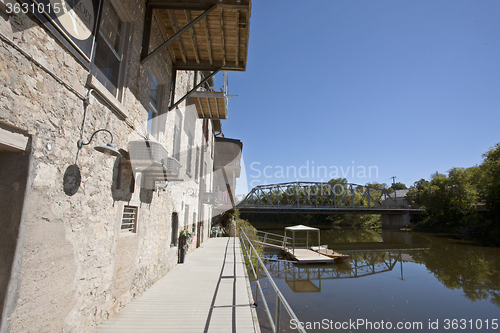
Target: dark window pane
{"type": "Point", "coordinates": [107, 66]}
{"type": "Point", "coordinates": [175, 226]}
{"type": "Point", "coordinates": [111, 26]}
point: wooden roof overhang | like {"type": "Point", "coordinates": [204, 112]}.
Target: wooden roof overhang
{"type": "Point", "coordinates": [202, 35]}
{"type": "Point", "coordinates": [210, 104]}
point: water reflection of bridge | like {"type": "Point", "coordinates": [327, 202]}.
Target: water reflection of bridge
{"type": "Point", "coordinates": [307, 278]}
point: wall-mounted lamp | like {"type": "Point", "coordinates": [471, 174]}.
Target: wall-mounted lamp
{"type": "Point", "coordinates": [190, 192]}
{"type": "Point", "coordinates": [108, 149]}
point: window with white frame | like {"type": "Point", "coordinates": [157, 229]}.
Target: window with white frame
{"type": "Point", "coordinates": [189, 153]}
{"type": "Point", "coordinates": [205, 176]}
{"type": "Point", "coordinates": [111, 46]}
{"type": "Point", "coordinates": [153, 125]}
{"type": "Point", "coordinates": [197, 164]}
{"type": "Point", "coordinates": [129, 219]}
{"type": "Point", "coordinates": [177, 137]}
{"type": "Point", "coordinates": [186, 215]}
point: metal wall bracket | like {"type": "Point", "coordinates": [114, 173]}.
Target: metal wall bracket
{"type": "Point", "coordinates": [173, 104]}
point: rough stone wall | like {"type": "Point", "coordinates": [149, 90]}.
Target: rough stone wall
{"type": "Point", "coordinates": [77, 267]}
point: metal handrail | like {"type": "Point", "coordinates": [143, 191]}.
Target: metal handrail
{"type": "Point", "coordinates": [269, 238]}
{"type": "Point", "coordinates": [249, 249]}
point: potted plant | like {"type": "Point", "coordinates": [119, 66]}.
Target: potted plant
{"type": "Point", "coordinates": [185, 239]}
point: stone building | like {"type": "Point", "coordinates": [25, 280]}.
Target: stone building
{"type": "Point", "coordinates": [84, 232]}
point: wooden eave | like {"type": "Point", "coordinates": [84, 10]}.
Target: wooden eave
{"type": "Point", "coordinates": [210, 104]}
{"type": "Point", "coordinates": [218, 40]}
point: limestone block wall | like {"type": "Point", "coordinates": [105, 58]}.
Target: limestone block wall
{"type": "Point", "coordinates": [76, 267]}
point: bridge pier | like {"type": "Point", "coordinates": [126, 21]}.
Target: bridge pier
{"type": "Point", "coordinates": [395, 220]}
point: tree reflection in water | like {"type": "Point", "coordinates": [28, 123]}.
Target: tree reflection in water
{"type": "Point", "coordinates": [473, 269]}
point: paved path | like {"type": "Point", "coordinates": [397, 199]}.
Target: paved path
{"type": "Point", "coordinates": [208, 293]}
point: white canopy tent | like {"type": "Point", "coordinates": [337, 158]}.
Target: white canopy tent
{"type": "Point", "coordinates": [301, 227]}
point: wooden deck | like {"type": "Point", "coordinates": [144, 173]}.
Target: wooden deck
{"type": "Point", "coordinates": [208, 293]}
{"type": "Point", "coordinates": [307, 256]}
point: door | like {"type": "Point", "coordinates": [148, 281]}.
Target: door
{"type": "Point", "coordinates": [14, 173]}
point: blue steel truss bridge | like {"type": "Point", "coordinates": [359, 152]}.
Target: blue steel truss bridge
{"type": "Point", "coordinates": [327, 198]}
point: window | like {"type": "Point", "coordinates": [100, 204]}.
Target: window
{"type": "Point", "coordinates": [205, 130]}
{"type": "Point", "coordinates": [177, 137]}
{"type": "Point", "coordinates": [177, 142]}
{"type": "Point", "coordinates": [197, 165]}
{"type": "Point", "coordinates": [129, 219]}
{"type": "Point", "coordinates": [186, 215]}
{"type": "Point", "coordinates": [110, 52]}
{"type": "Point", "coordinates": [212, 145]}
{"type": "Point", "coordinates": [175, 227]}
{"type": "Point", "coordinates": [194, 222]}
{"type": "Point", "coordinates": [205, 174]}
{"type": "Point", "coordinates": [189, 153]}
{"type": "Point", "coordinates": [153, 126]}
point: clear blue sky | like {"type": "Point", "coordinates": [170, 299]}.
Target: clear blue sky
{"type": "Point", "coordinates": [409, 87]}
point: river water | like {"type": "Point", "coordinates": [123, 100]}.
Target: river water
{"type": "Point", "coordinates": [393, 281]}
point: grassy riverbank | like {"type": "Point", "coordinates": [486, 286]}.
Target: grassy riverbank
{"type": "Point", "coordinates": [251, 233]}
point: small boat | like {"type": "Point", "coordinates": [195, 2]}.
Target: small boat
{"type": "Point", "coordinates": [323, 249]}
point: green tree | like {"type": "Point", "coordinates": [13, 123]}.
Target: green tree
{"type": "Point", "coordinates": [399, 186]}
{"type": "Point", "coordinates": [490, 181]}
{"type": "Point", "coordinates": [338, 181]}
{"type": "Point", "coordinates": [448, 201]}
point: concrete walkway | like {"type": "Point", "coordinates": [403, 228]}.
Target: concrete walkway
{"type": "Point", "coordinates": [208, 293]}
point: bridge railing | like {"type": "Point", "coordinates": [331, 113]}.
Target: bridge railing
{"type": "Point", "coordinates": [251, 254]}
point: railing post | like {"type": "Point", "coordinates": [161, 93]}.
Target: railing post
{"type": "Point", "coordinates": [256, 286]}
{"type": "Point", "coordinates": [250, 258]}
{"type": "Point", "coordinates": [277, 318]}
